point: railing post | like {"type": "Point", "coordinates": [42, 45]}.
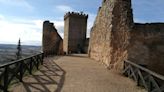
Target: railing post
{"type": "Point", "coordinates": [149, 84]}
{"type": "Point", "coordinates": [124, 66]}
{"type": "Point", "coordinates": [138, 78]}
{"type": "Point", "coordinates": [21, 72]}
{"type": "Point", "coordinates": [31, 66]}
{"type": "Point", "coordinates": [6, 75]}
{"type": "Point", "coordinates": [42, 57]}
{"type": "Point", "coordinates": [128, 71]}
{"type": "Point", "coordinates": [37, 62]}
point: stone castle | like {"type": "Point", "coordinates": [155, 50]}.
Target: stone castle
{"type": "Point", "coordinates": [75, 41]}
{"type": "Point", "coordinates": [75, 32]}
{"type": "Point", "coordinates": [114, 37]}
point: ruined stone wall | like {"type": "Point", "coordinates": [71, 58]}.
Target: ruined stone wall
{"type": "Point", "coordinates": [75, 32]}
{"type": "Point", "coordinates": [115, 37]}
{"type": "Point", "coordinates": [99, 48]}
{"type": "Point", "coordinates": [52, 42]}
{"type": "Point", "coordinates": [110, 34]}
{"type": "Point", "coordinates": [147, 46]}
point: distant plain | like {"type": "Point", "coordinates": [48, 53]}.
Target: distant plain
{"type": "Point", "coordinates": [8, 52]}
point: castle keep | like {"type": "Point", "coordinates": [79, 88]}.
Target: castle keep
{"type": "Point", "coordinates": [75, 27]}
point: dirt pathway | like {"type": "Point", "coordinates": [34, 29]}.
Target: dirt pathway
{"type": "Point", "coordinates": [75, 73]}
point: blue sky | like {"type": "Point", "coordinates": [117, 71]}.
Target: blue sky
{"type": "Point", "coordinates": [23, 18]}
{"type": "Point", "coordinates": [148, 10]}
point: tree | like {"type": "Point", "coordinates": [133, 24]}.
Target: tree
{"type": "Point", "coordinates": [19, 50]}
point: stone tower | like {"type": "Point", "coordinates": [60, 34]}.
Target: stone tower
{"type": "Point", "coordinates": [75, 27]}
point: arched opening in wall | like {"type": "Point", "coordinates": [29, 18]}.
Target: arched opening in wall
{"type": "Point", "coordinates": [147, 11]}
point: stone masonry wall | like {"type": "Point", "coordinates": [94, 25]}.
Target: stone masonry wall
{"type": "Point", "coordinates": [115, 37]}
{"type": "Point", "coordinates": [52, 42]}
{"type": "Point", "coordinates": [110, 33]}
{"type": "Point", "coordinates": [147, 46]}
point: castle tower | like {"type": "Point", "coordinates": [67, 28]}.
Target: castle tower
{"type": "Point", "coordinates": [75, 27]}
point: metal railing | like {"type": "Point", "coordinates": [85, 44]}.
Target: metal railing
{"type": "Point", "coordinates": [16, 70]}
{"type": "Point", "coordinates": [150, 80]}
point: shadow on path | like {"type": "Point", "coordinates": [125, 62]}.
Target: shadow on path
{"type": "Point", "coordinates": [49, 78]}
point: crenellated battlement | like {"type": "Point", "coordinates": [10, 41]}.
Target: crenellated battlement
{"type": "Point", "coordinates": [75, 14]}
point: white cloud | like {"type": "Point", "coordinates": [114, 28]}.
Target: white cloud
{"type": "Point", "coordinates": [38, 23]}
{"type": "Point", "coordinates": [1, 17]}
{"type": "Point", "coordinates": [30, 31]}
{"type": "Point", "coordinates": [136, 20]}
{"type": "Point", "coordinates": [18, 3]}
{"type": "Point", "coordinates": [91, 20]}
{"type": "Point", "coordinates": [11, 31]}
{"type": "Point", "coordinates": [59, 25]}
{"type": "Point", "coordinates": [64, 8]}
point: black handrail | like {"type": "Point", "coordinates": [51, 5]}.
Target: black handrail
{"type": "Point", "coordinates": [16, 69]}
{"type": "Point", "coordinates": [147, 70]}
{"type": "Point", "coordinates": [16, 61]}
{"type": "Point", "coordinates": [150, 80]}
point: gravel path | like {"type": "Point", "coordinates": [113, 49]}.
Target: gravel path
{"type": "Point", "coordinates": [75, 73]}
